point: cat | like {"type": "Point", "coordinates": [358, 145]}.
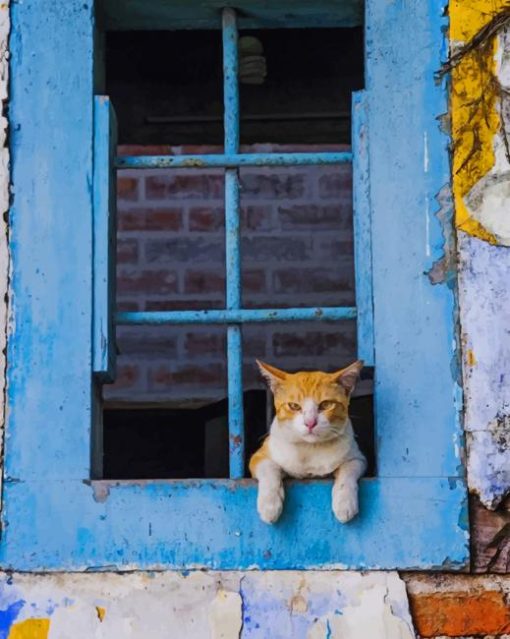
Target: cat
{"type": "Point", "coordinates": [310, 436]}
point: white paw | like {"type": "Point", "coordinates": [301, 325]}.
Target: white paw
{"type": "Point", "coordinates": [270, 504]}
{"type": "Point", "coordinates": [345, 503]}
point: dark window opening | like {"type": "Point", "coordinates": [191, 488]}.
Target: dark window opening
{"type": "Point", "coordinates": [166, 415]}
{"type": "Point", "coordinates": [167, 87]}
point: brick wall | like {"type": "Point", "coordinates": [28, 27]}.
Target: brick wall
{"type": "Point", "coordinates": [297, 251]}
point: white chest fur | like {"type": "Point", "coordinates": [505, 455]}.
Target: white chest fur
{"type": "Point", "coordinates": [301, 459]}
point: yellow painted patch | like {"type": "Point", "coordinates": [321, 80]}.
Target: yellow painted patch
{"type": "Point", "coordinates": [475, 120]}
{"type": "Point", "coordinates": [470, 358]}
{"type": "Point", "coordinates": [30, 629]}
{"type": "Point", "coordinates": [101, 612]}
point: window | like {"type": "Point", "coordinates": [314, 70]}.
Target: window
{"type": "Point", "coordinates": [61, 226]}
{"type": "Point", "coordinates": [296, 237]}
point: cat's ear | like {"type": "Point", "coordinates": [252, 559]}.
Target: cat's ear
{"type": "Point", "coordinates": [273, 376]}
{"type": "Point", "coordinates": [347, 377]}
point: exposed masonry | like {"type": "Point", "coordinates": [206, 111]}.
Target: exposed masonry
{"type": "Point", "coordinates": [297, 250]}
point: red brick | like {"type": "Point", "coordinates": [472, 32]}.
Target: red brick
{"type": "Point", "coordinates": [127, 376]}
{"type": "Point", "coordinates": [457, 614]}
{"type": "Point", "coordinates": [127, 188]}
{"type": "Point", "coordinates": [144, 149]}
{"type": "Point", "coordinates": [180, 250]}
{"type": "Point", "coordinates": [197, 149]}
{"type": "Point", "coordinates": [336, 184]}
{"type": "Point", "coordinates": [312, 280]}
{"type": "Point", "coordinates": [254, 342]}
{"type": "Point", "coordinates": [146, 282]}
{"type": "Point", "coordinates": [258, 218]}
{"type": "Point", "coordinates": [127, 305]}
{"type": "Point", "coordinates": [183, 305]}
{"type": "Point", "coordinates": [272, 186]}
{"type": "Point", "coordinates": [254, 281]}
{"type": "Point", "coordinates": [167, 149]}
{"type": "Point", "coordinates": [273, 247]}
{"type": "Point", "coordinates": [293, 344]}
{"type": "Point", "coordinates": [201, 282]}
{"type": "Point", "coordinates": [145, 343]}
{"type": "Point", "coordinates": [313, 217]}
{"type": "Point", "coordinates": [330, 249]}
{"type": "Point", "coordinates": [164, 376]}
{"type": "Point", "coordinates": [206, 219]}
{"type": "Point", "coordinates": [160, 219]}
{"type": "Point", "coordinates": [127, 251]}
{"type": "Point", "coordinates": [205, 343]}
{"type": "Point", "coordinates": [185, 186]}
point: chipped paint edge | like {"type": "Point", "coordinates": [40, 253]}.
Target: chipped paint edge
{"type": "Point", "coordinates": [4, 209]}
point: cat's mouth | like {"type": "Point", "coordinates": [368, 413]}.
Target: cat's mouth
{"type": "Point", "coordinates": [321, 436]}
{"type": "Point", "coordinates": [313, 437]}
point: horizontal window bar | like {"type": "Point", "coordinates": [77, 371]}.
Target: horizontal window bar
{"type": "Point", "coordinates": [250, 117]}
{"type": "Point", "coordinates": [233, 160]}
{"type": "Point", "coordinates": [236, 316]}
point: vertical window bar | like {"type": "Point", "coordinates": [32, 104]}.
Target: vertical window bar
{"type": "Point", "coordinates": [232, 245]}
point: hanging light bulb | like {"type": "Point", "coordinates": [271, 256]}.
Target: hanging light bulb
{"type": "Point", "coordinates": [252, 63]}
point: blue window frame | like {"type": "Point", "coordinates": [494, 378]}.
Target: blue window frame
{"type": "Point", "coordinates": [60, 344]}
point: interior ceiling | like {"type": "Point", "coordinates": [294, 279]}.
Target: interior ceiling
{"type": "Point", "coordinates": [206, 14]}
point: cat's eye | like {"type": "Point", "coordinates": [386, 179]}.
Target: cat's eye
{"type": "Point", "coordinates": [293, 406]}
{"type": "Point", "coordinates": [327, 404]}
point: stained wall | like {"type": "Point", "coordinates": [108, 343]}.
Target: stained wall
{"type": "Point", "coordinates": [338, 604]}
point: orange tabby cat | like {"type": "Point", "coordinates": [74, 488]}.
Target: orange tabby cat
{"type": "Point", "coordinates": [311, 436]}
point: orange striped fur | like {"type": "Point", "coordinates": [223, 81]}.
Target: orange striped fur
{"type": "Point", "coordinates": [311, 436]}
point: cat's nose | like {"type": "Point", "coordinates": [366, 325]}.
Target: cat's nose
{"type": "Point", "coordinates": [311, 423]}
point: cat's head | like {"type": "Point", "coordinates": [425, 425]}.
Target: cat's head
{"type": "Point", "coordinates": [312, 406]}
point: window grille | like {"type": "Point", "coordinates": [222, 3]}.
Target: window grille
{"type": "Point", "coordinates": [234, 315]}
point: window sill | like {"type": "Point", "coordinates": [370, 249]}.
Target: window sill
{"type": "Point", "coordinates": [404, 523]}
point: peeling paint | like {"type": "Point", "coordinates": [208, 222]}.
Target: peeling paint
{"type": "Point", "coordinates": [101, 612]}
{"type": "Point", "coordinates": [475, 119]}
{"type": "Point", "coordinates": [444, 270]}
{"type": "Point", "coordinates": [470, 357]}
{"type": "Point", "coordinates": [484, 291]}
{"type": "Point", "coordinates": [225, 615]}
{"type": "Point", "coordinates": [30, 629]}
{"type": "Point", "coordinates": [341, 606]}
{"type": "Point", "coordinates": [209, 605]}
{"type": "Point", "coordinates": [481, 184]}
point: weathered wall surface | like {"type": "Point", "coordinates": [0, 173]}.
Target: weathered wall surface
{"type": "Point", "coordinates": [329, 604]}
{"type": "Point", "coordinates": [481, 186]}
{"type": "Point", "coordinates": [269, 605]}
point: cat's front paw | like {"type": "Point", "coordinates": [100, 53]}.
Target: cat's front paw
{"type": "Point", "coordinates": [270, 504]}
{"type": "Point", "coordinates": [345, 503]}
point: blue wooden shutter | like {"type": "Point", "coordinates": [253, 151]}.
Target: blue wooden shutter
{"type": "Point", "coordinates": [104, 239]}
{"type": "Point", "coordinates": [362, 228]}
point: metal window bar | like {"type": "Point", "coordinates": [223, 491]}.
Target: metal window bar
{"type": "Point", "coordinates": [234, 315]}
